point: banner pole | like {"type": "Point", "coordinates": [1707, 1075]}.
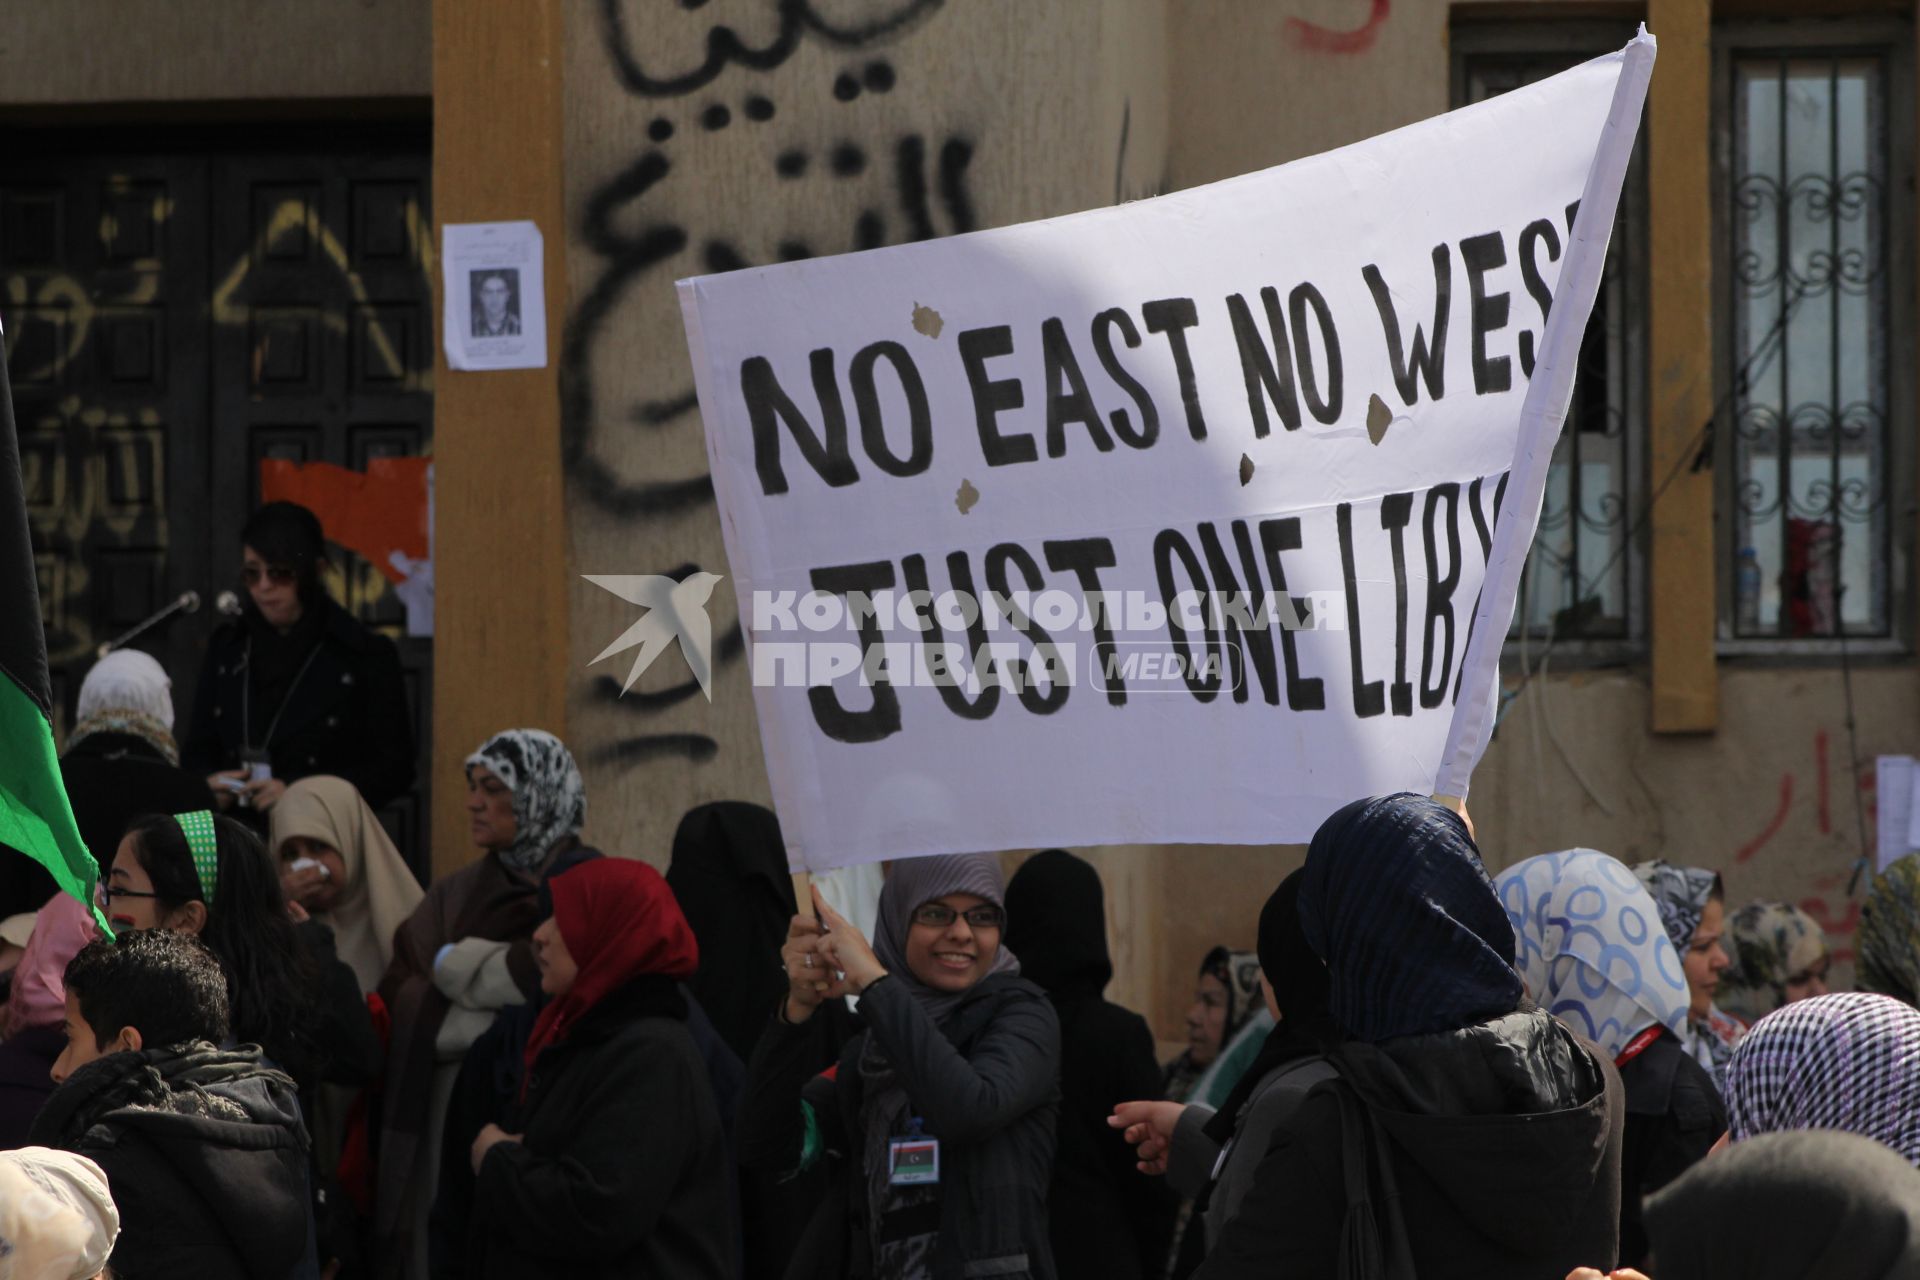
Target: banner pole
{"type": "Point", "coordinates": [1542, 416]}
{"type": "Point", "coordinates": [803, 892]}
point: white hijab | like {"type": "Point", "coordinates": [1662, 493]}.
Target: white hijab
{"type": "Point", "coordinates": [380, 892]}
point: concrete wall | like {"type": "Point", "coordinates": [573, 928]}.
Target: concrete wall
{"type": "Point", "coordinates": [102, 51]}
{"type": "Point", "coordinates": [994, 112]}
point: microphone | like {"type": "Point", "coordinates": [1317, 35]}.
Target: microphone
{"type": "Point", "coordinates": [185, 602]}
{"type": "Point", "coordinates": [227, 604]}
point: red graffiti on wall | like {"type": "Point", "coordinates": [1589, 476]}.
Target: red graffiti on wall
{"type": "Point", "coordinates": [1845, 926]}
{"type": "Point", "coordinates": [1314, 38]}
{"type": "Point", "coordinates": [1774, 824]}
{"type": "Point", "coordinates": [1820, 762]}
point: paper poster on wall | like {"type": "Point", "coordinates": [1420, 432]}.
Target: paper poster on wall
{"type": "Point", "coordinates": [1166, 522]}
{"type": "Point", "coordinates": [1893, 810]}
{"type": "Point", "coordinates": [495, 306]}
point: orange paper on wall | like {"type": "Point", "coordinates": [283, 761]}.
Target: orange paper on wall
{"type": "Point", "coordinates": [372, 513]}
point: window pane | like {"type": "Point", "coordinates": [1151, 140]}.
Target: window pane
{"type": "Point", "coordinates": [1581, 572]}
{"type": "Point", "coordinates": [1808, 222]}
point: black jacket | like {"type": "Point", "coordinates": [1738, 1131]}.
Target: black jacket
{"type": "Point", "coordinates": [111, 780]}
{"type": "Point", "coordinates": [346, 715]}
{"type": "Point", "coordinates": [1504, 1144]}
{"type": "Point", "coordinates": [986, 1083]}
{"type": "Point", "coordinates": [1107, 1219]}
{"type": "Point", "coordinates": [1674, 1116]}
{"type": "Point", "coordinates": [623, 1170]}
{"type": "Point", "coordinates": [205, 1155]}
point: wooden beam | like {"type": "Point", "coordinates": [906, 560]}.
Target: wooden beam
{"type": "Point", "coordinates": [500, 539]}
{"type": "Point", "coordinates": [1686, 689]}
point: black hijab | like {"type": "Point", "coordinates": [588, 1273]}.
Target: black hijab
{"type": "Point", "coordinates": [1813, 1202]}
{"type": "Point", "coordinates": [1057, 925]}
{"type": "Point", "coordinates": [1396, 901]}
{"type": "Point", "coordinates": [1299, 982]}
{"type": "Point", "coordinates": [729, 871]}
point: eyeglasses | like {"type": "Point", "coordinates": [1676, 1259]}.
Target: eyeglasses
{"type": "Point", "coordinates": [279, 574]}
{"type": "Point", "coordinates": [106, 893]}
{"type": "Point", "coordinates": [939, 915]}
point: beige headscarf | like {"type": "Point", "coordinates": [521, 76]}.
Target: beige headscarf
{"type": "Point", "coordinates": [57, 1220]}
{"type": "Point", "coordinates": [380, 892]}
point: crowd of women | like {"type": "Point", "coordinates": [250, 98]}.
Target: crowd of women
{"type": "Point", "coordinates": [559, 1063]}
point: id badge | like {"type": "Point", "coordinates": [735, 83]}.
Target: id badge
{"type": "Point", "coordinates": [913, 1161]}
{"type": "Point", "coordinates": [258, 764]}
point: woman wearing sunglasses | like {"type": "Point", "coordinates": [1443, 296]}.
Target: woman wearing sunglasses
{"type": "Point", "coordinates": [296, 686]}
{"type": "Point", "coordinates": [939, 1117]}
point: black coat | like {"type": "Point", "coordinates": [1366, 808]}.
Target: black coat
{"type": "Point", "coordinates": [112, 779]}
{"type": "Point", "coordinates": [622, 1171]}
{"type": "Point", "coordinates": [346, 715]}
{"type": "Point", "coordinates": [1108, 1219]}
{"type": "Point", "coordinates": [208, 1168]}
{"type": "Point", "coordinates": [1674, 1116]}
{"type": "Point", "coordinates": [986, 1083]}
{"type": "Point", "coordinates": [487, 1091]}
{"type": "Point", "coordinates": [1504, 1145]}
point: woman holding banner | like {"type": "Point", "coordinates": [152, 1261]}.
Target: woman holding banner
{"type": "Point", "coordinates": [941, 1114]}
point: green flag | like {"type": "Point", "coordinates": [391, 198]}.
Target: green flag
{"type": "Point", "coordinates": [35, 818]}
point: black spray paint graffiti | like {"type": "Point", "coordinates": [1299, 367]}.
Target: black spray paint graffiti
{"type": "Point", "coordinates": [928, 179]}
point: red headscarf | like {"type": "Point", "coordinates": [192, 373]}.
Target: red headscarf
{"type": "Point", "coordinates": [620, 921]}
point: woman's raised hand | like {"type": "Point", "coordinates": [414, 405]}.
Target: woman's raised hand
{"type": "Point", "coordinates": [810, 977]}
{"type": "Point", "coordinates": [844, 949]}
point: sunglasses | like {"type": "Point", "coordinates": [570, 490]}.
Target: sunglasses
{"type": "Point", "coordinates": [279, 574]}
{"type": "Point", "coordinates": [939, 915]}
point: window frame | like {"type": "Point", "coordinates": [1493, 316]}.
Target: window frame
{"type": "Point", "coordinates": [1472, 40]}
{"type": "Point", "coordinates": [1890, 39]}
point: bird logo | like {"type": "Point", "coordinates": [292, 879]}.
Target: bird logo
{"type": "Point", "coordinates": [674, 610]}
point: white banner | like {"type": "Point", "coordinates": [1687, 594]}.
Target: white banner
{"type": "Point", "coordinates": [1166, 522]}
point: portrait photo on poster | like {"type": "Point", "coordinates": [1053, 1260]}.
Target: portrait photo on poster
{"type": "Point", "coordinates": [496, 301]}
{"type": "Point", "coordinates": [495, 296]}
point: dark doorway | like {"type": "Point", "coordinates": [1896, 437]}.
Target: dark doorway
{"type": "Point", "coordinates": [178, 306]}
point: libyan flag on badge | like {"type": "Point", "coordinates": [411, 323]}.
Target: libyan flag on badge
{"type": "Point", "coordinates": [35, 818]}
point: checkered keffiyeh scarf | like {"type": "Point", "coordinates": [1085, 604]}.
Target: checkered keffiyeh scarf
{"type": "Point", "coordinates": [1848, 1062]}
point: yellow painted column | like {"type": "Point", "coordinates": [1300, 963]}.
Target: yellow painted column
{"type": "Point", "coordinates": [500, 539]}
{"type": "Point", "coordinates": [1681, 614]}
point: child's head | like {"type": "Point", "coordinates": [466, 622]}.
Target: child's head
{"type": "Point", "coordinates": [149, 989]}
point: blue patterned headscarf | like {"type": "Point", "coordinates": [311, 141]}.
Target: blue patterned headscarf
{"type": "Point", "coordinates": [1592, 948]}
{"type": "Point", "coordinates": [1397, 903]}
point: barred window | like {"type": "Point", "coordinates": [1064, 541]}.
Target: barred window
{"type": "Point", "coordinates": [1809, 551]}
{"type": "Point", "coordinates": [1584, 583]}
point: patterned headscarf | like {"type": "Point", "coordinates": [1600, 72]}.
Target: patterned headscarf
{"type": "Point", "coordinates": [549, 798]}
{"type": "Point", "coordinates": [1397, 903]}
{"type": "Point", "coordinates": [914, 882]}
{"type": "Point", "coordinates": [1772, 943]}
{"type": "Point", "coordinates": [1682, 894]}
{"type": "Point", "coordinates": [1890, 932]}
{"type": "Point", "coordinates": [1592, 948]}
{"type": "Point", "coordinates": [1849, 1061]}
